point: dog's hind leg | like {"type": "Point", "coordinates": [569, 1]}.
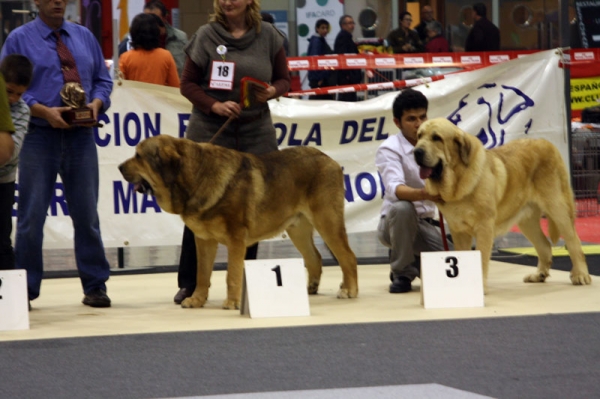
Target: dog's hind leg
{"type": "Point", "coordinates": [331, 227]}
{"type": "Point", "coordinates": [301, 234]}
{"type": "Point", "coordinates": [206, 251]}
{"type": "Point", "coordinates": [565, 224]}
{"type": "Point", "coordinates": [530, 227]}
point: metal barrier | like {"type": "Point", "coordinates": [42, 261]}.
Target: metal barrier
{"type": "Point", "coordinates": [585, 158]}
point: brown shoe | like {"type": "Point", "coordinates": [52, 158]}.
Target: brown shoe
{"type": "Point", "coordinates": [96, 298]}
{"type": "Point", "coordinates": [181, 295]}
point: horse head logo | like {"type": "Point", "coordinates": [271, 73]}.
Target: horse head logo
{"type": "Point", "coordinates": [494, 107]}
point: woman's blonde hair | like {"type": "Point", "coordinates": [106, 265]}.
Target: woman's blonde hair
{"type": "Point", "coordinates": [253, 18]}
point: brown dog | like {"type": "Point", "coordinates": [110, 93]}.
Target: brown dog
{"type": "Point", "coordinates": [237, 199]}
{"type": "Point", "coordinates": [486, 192]}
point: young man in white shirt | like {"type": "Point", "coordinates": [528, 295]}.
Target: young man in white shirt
{"type": "Point", "coordinates": [407, 226]}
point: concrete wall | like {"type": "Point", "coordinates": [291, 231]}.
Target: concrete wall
{"type": "Point", "coordinates": [193, 14]}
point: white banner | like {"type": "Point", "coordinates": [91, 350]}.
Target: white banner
{"type": "Point", "coordinates": [520, 98]}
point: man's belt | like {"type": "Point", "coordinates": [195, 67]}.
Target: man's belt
{"type": "Point", "coordinates": [431, 221]}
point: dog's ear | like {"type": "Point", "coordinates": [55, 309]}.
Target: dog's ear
{"type": "Point", "coordinates": [463, 145]}
{"type": "Point", "coordinates": [166, 160]}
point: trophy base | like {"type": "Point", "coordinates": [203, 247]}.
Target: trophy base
{"type": "Point", "coordinates": [79, 116]}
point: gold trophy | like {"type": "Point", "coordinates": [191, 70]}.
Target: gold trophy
{"type": "Point", "coordinates": [73, 96]}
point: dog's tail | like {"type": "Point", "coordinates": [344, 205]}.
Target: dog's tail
{"type": "Point", "coordinates": [553, 230]}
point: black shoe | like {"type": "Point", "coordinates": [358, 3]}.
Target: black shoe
{"type": "Point", "coordinates": [400, 285]}
{"type": "Point", "coordinates": [96, 298]}
{"type": "Point", "coordinates": [181, 295]}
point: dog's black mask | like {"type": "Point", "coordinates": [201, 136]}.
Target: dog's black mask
{"type": "Point", "coordinates": [144, 187]}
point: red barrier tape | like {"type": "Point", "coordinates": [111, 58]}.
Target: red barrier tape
{"type": "Point", "coordinates": [396, 84]}
{"type": "Point", "coordinates": [582, 63]}
{"type": "Point", "coordinates": [581, 60]}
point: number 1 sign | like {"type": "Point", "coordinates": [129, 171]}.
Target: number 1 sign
{"type": "Point", "coordinates": [275, 288]}
{"type": "Point", "coordinates": [451, 279]}
{"type": "Point", "coordinates": [14, 313]}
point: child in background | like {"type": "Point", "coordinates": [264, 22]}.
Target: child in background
{"type": "Point", "coordinates": [17, 71]}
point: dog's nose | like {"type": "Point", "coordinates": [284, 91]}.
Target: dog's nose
{"type": "Point", "coordinates": [419, 155]}
{"type": "Point", "coordinates": [121, 168]}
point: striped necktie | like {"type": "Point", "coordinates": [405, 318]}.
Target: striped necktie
{"type": "Point", "coordinates": [67, 62]}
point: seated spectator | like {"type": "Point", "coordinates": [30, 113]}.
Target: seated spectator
{"type": "Point", "coordinates": [319, 46]}
{"type": "Point", "coordinates": [426, 17]}
{"type": "Point", "coordinates": [404, 39]}
{"type": "Point", "coordinates": [437, 43]}
{"type": "Point", "coordinates": [147, 62]}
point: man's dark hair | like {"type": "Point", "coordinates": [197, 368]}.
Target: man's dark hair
{"type": "Point", "coordinates": [152, 4]}
{"type": "Point", "coordinates": [265, 16]}
{"type": "Point", "coordinates": [321, 22]}
{"type": "Point", "coordinates": [17, 69]}
{"type": "Point", "coordinates": [480, 9]}
{"type": "Point", "coordinates": [343, 17]}
{"type": "Point", "coordinates": [145, 32]}
{"type": "Point", "coordinates": [409, 99]}
{"type": "Point", "coordinates": [403, 14]}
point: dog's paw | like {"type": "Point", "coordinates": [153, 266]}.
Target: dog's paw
{"type": "Point", "coordinates": [313, 288]}
{"type": "Point", "coordinates": [581, 279]}
{"type": "Point", "coordinates": [343, 294]}
{"type": "Point", "coordinates": [535, 278]}
{"type": "Point", "coordinates": [192, 302]}
{"type": "Point", "coordinates": [231, 304]}
{"type": "Point", "coordinates": [346, 293]}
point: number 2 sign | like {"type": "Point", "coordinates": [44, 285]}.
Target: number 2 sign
{"type": "Point", "coordinates": [275, 288]}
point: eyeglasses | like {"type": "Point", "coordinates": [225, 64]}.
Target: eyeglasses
{"type": "Point", "coordinates": [407, 19]}
{"type": "Point", "coordinates": [349, 23]}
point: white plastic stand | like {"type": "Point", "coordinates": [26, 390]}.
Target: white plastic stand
{"type": "Point", "coordinates": [275, 288]}
{"type": "Point", "coordinates": [14, 304]}
{"type": "Point", "coordinates": [451, 279]}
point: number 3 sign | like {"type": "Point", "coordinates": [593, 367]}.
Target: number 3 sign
{"type": "Point", "coordinates": [275, 288]}
{"type": "Point", "coordinates": [451, 279]}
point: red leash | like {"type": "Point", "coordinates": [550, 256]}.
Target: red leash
{"type": "Point", "coordinates": [444, 238]}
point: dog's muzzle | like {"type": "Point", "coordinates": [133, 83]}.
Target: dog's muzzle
{"type": "Point", "coordinates": [425, 171]}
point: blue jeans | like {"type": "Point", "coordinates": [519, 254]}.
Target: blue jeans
{"type": "Point", "coordinates": [72, 154]}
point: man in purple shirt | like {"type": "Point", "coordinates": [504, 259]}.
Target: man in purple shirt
{"type": "Point", "coordinates": [52, 147]}
{"type": "Point", "coordinates": [407, 224]}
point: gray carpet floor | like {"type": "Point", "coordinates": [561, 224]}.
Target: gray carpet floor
{"type": "Point", "coordinates": [552, 356]}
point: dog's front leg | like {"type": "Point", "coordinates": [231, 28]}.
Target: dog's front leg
{"type": "Point", "coordinates": [484, 237]}
{"type": "Point", "coordinates": [235, 274]}
{"type": "Point", "coordinates": [206, 251]}
{"type": "Point", "coordinates": [462, 241]}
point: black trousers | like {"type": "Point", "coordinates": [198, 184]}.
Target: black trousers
{"type": "Point", "coordinates": [7, 200]}
{"type": "Point", "coordinates": [188, 265]}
